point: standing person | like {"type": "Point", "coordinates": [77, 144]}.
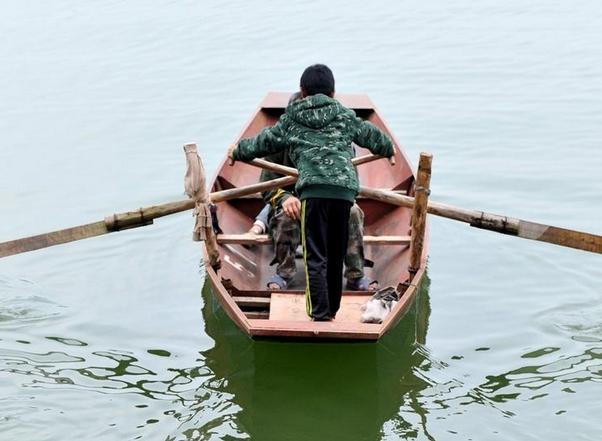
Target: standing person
{"type": "Point", "coordinates": [280, 218]}
{"type": "Point", "coordinates": [318, 132]}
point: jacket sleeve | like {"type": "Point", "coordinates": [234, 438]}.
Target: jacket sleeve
{"type": "Point", "coordinates": [270, 140]}
{"type": "Point", "coordinates": [374, 139]}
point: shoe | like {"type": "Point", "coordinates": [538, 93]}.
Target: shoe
{"type": "Point", "coordinates": [277, 280]}
{"type": "Point", "coordinates": [362, 284]}
{"type": "Point", "coordinates": [255, 229]}
{"type": "Point", "coordinates": [325, 319]}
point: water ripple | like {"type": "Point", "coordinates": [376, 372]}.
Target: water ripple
{"type": "Point", "coordinates": [194, 396]}
{"type": "Point", "coordinates": [23, 302]}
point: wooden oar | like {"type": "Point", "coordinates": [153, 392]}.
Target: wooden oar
{"type": "Point", "coordinates": [494, 222]}
{"type": "Point", "coordinates": [290, 171]}
{"type": "Point", "coordinates": [145, 216]}
{"type": "Point", "coordinates": [479, 219]}
{"type": "Point", "coordinates": [131, 219]}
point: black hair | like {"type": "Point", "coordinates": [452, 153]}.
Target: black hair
{"type": "Point", "coordinates": [317, 78]}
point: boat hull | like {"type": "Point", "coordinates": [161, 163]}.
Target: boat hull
{"type": "Point", "coordinates": [261, 328]}
{"type": "Point", "coordinates": [241, 284]}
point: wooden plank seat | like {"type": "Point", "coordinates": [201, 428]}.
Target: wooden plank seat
{"type": "Point", "coordinates": [261, 315]}
{"type": "Point", "coordinates": [263, 239]}
{"type": "Point", "coordinates": [267, 293]}
{"type": "Point", "coordinates": [255, 302]}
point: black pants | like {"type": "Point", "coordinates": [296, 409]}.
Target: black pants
{"type": "Point", "coordinates": [324, 235]}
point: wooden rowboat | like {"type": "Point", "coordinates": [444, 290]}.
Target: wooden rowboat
{"type": "Point", "coordinates": [241, 283]}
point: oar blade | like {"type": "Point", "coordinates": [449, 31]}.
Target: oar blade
{"type": "Point", "coordinates": [50, 239]}
{"type": "Point", "coordinates": [560, 236]}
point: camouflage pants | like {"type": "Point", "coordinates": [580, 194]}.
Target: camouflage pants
{"type": "Point", "coordinates": [286, 237]}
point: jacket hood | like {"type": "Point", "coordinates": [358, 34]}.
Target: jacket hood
{"type": "Point", "coordinates": [315, 111]}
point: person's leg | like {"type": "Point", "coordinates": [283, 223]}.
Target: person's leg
{"type": "Point", "coordinates": [338, 237]}
{"type": "Point", "coordinates": [285, 233]}
{"type": "Point", "coordinates": [354, 258]}
{"type": "Point", "coordinates": [314, 240]}
{"type": "Point", "coordinates": [261, 220]}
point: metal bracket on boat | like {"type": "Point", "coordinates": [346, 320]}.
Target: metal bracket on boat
{"type": "Point", "coordinates": [228, 284]}
{"type": "Point", "coordinates": [426, 190]}
{"type": "Point", "coordinates": [403, 287]}
{"type": "Point", "coordinates": [494, 222]}
{"type": "Point", "coordinates": [214, 220]}
{"type": "Point", "coordinates": [478, 222]}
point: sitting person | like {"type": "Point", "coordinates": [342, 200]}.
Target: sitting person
{"type": "Point", "coordinates": [285, 231]}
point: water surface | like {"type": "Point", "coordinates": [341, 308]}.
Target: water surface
{"type": "Point", "coordinates": [114, 338]}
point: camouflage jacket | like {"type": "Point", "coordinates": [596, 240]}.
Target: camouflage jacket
{"type": "Point", "coordinates": [318, 131]}
{"type": "Point", "coordinates": [278, 195]}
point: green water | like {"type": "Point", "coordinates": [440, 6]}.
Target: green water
{"type": "Point", "coordinates": [321, 391]}
{"type": "Point", "coordinates": [114, 337]}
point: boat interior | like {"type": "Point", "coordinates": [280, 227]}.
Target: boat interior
{"type": "Point", "coordinates": [246, 258]}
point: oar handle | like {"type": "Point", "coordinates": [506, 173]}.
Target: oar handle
{"type": "Point", "coordinates": [290, 171]}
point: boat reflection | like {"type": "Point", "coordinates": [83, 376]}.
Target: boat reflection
{"type": "Point", "coordinates": [323, 390]}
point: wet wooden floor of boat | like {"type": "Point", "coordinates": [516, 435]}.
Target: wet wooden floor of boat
{"type": "Point", "coordinates": [291, 307]}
